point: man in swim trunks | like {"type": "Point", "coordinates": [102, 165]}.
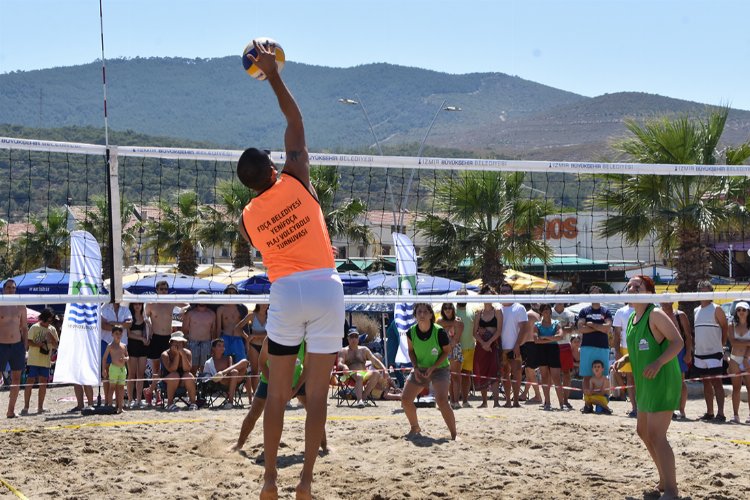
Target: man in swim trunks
{"type": "Point", "coordinates": [160, 314]}
{"type": "Point", "coordinates": [285, 222]}
{"type": "Point", "coordinates": [228, 316]}
{"type": "Point", "coordinates": [353, 362]}
{"type": "Point", "coordinates": [14, 342]}
{"type": "Point", "coordinates": [199, 326]}
{"type": "Point", "coordinates": [594, 324]}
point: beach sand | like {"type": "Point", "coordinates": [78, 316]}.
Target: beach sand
{"type": "Point", "coordinates": [501, 453]}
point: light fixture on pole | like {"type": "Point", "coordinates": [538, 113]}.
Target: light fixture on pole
{"type": "Point", "coordinates": [442, 107]}
{"type": "Point", "coordinates": [358, 102]}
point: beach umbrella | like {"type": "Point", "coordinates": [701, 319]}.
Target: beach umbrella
{"type": "Point", "coordinates": [236, 276]}
{"type": "Point", "coordinates": [523, 282]}
{"type": "Point", "coordinates": [259, 284]}
{"type": "Point", "coordinates": [178, 284]}
{"type": "Point", "coordinates": [209, 271]}
{"type": "Point", "coordinates": [426, 284]}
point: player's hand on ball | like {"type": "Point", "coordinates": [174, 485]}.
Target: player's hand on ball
{"type": "Point", "coordinates": [266, 59]}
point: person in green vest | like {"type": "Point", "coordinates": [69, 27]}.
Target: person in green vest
{"type": "Point", "coordinates": [429, 347]}
{"type": "Point", "coordinates": [261, 393]}
{"type": "Point", "coordinates": [653, 345]}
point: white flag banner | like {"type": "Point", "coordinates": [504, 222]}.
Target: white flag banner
{"type": "Point", "coordinates": [79, 354]}
{"type": "Point", "coordinates": [406, 267]}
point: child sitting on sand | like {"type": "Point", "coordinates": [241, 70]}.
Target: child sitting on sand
{"type": "Point", "coordinates": [598, 389]}
{"type": "Point", "coordinates": [116, 371]}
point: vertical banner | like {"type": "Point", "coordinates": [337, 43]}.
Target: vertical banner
{"type": "Point", "coordinates": [406, 267]}
{"type": "Point", "coordinates": [79, 353]}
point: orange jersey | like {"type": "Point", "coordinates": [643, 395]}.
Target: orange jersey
{"type": "Point", "coordinates": [286, 224]}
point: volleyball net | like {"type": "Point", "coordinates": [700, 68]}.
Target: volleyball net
{"type": "Point", "coordinates": [550, 229]}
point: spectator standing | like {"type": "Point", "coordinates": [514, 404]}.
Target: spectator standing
{"type": "Point", "coordinates": [567, 322]}
{"type": "Point", "coordinates": [710, 337]}
{"type": "Point", "coordinates": [594, 324]}
{"type": "Point", "coordinates": [515, 322]}
{"type": "Point", "coordinates": [467, 347]}
{"type": "Point", "coordinates": [14, 340]}
{"type": "Point", "coordinates": [685, 357]}
{"type": "Point", "coordinates": [43, 338]}
{"type": "Point", "coordinates": [619, 325]}
{"type": "Point", "coordinates": [488, 323]}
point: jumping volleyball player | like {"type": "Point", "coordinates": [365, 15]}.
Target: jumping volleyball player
{"type": "Point", "coordinates": [284, 221]}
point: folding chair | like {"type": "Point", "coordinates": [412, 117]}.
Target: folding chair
{"type": "Point", "coordinates": [345, 393]}
{"type": "Point", "coordinates": [216, 395]}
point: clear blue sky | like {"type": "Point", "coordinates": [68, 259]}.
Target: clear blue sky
{"type": "Point", "coordinates": [690, 49]}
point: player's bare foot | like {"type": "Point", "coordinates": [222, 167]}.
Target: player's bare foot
{"type": "Point", "coordinates": [269, 491]}
{"type": "Point", "coordinates": [303, 491]}
{"type": "Point", "coordinates": [234, 447]}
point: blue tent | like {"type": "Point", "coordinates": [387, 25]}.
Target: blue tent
{"type": "Point", "coordinates": [44, 282]}
{"type": "Point", "coordinates": [426, 284]}
{"type": "Point", "coordinates": [178, 284]}
{"type": "Point", "coordinates": [256, 285]}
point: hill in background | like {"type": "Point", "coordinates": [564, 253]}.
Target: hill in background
{"type": "Point", "coordinates": [213, 101]}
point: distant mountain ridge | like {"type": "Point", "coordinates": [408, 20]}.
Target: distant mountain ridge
{"type": "Point", "coordinates": [214, 101]}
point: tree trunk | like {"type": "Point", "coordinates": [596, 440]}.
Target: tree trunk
{"type": "Point", "coordinates": [492, 268]}
{"type": "Point", "coordinates": [242, 254]}
{"type": "Point", "coordinates": [186, 263]}
{"type": "Point", "coordinates": [692, 265]}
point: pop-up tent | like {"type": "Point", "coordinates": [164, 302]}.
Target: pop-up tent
{"type": "Point", "coordinates": [178, 284]}
{"type": "Point", "coordinates": [426, 284]}
{"type": "Point", "coordinates": [44, 282]}
{"type": "Point", "coordinates": [256, 285]}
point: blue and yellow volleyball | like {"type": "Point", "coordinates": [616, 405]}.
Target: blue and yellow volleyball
{"type": "Point", "coordinates": [251, 68]}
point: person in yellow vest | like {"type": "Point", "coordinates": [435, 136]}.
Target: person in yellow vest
{"type": "Point", "coordinates": [285, 223]}
{"type": "Point", "coordinates": [429, 347]}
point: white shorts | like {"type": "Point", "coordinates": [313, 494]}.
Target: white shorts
{"type": "Point", "coordinates": [308, 305]}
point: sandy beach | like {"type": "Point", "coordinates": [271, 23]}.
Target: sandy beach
{"type": "Point", "coordinates": [501, 453]}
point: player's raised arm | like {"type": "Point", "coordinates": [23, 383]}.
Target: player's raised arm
{"type": "Point", "coordinates": [297, 162]}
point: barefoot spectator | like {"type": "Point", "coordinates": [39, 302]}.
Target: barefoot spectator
{"type": "Point", "coordinates": [176, 363]}
{"type": "Point", "coordinates": [229, 325]}
{"type": "Point", "coordinates": [619, 323]}
{"type": "Point", "coordinates": [467, 347]}
{"type": "Point", "coordinates": [159, 315]}
{"type": "Point", "coordinates": [594, 324]}
{"type": "Point", "coordinates": [199, 326]}
{"type": "Point", "coordinates": [43, 338]}
{"type": "Point", "coordinates": [488, 323]}
{"type": "Point", "coordinates": [685, 357]}
{"type": "Point", "coordinates": [139, 338]}
{"type": "Point", "coordinates": [353, 362]}
{"type": "Point", "coordinates": [13, 344]}
{"type": "Point", "coordinates": [546, 334]}
{"type": "Point", "coordinates": [515, 322]}
{"type": "Point", "coordinates": [567, 322]}
{"type": "Point", "coordinates": [455, 328]}
{"type": "Point", "coordinates": [739, 359]}
{"type": "Point", "coordinates": [711, 331]}
{"type": "Point", "coordinates": [115, 368]}
{"type": "Point", "coordinates": [113, 315]}
{"type": "Point", "coordinates": [222, 369]}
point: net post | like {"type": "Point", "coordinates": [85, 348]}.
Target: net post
{"type": "Point", "coordinates": [115, 226]}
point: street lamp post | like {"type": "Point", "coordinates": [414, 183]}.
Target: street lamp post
{"type": "Point", "coordinates": [358, 102]}
{"type": "Point", "coordinates": [544, 226]}
{"type": "Point", "coordinates": [442, 107]}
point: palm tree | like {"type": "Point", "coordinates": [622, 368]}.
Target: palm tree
{"type": "Point", "coordinates": [175, 235]}
{"type": "Point", "coordinates": [483, 216]}
{"type": "Point", "coordinates": [96, 222]}
{"type": "Point", "coordinates": [220, 223]}
{"type": "Point", "coordinates": [344, 217]}
{"type": "Point", "coordinates": [676, 210]}
{"type": "Point", "coordinates": [47, 244]}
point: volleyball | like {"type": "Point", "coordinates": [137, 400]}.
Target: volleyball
{"type": "Point", "coordinates": [251, 68]}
